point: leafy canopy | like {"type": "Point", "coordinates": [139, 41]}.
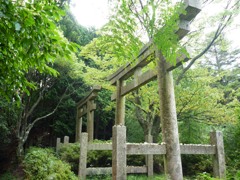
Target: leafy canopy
{"type": "Point", "coordinates": [131, 23]}
{"type": "Point", "coordinates": [29, 39]}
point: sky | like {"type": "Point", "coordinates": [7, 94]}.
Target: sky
{"type": "Point", "coordinates": [90, 13]}
{"type": "Point", "coordinates": [94, 13]}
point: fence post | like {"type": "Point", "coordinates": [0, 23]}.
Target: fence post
{"type": "Point", "coordinates": [66, 140]}
{"type": "Point", "coordinates": [149, 158]}
{"type": "Point", "coordinates": [219, 169]}
{"type": "Point", "coordinates": [82, 171]}
{"type": "Point", "coordinates": [58, 144]}
{"type": "Point", "coordinates": [119, 162]}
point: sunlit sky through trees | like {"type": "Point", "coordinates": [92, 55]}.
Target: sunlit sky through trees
{"type": "Point", "coordinates": [90, 13]}
{"type": "Point", "coordinates": [95, 13]}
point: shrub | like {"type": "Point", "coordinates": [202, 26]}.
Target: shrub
{"type": "Point", "coordinates": [43, 164]}
{"type": "Point", "coordinates": [7, 176]}
{"type": "Point", "coordinates": [194, 164]}
{"type": "Point", "coordinates": [70, 154]}
{"type": "Point", "coordinates": [205, 176]}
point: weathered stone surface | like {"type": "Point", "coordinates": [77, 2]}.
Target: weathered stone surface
{"type": "Point", "coordinates": [149, 158]}
{"type": "Point", "coordinates": [86, 106]}
{"type": "Point", "coordinates": [82, 171]}
{"type": "Point", "coordinates": [136, 169]}
{"type": "Point", "coordinates": [119, 160]}
{"type": "Point", "coordinates": [99, 170]}
{"type": "Point", "coordinates": [169, 119]}
{"type": "Point", "coordinates": [58, 144]}
{"type": "Point", "coordinates": [145, 148]}
{"type": "Point", "coordinates": [66, 140]}
{"type": "Point", "coordinates": [97, 146]}
{"type": "Point", "coordinates": [219, 167]}
{"type": "Point", "coordinates": [197, 149]}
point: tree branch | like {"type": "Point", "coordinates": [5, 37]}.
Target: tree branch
{"type": "Point", "coordinates": [218, 32]}
{"type": "Point", "coordinates": [35, 104]}
{"type": "Point", "coordinates": [29, 127]}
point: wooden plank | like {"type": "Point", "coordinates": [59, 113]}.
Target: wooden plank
{"type": "Point", "coordinates": [136, 169]}
{"type": "Point", "coordinates": [99, 147]}
{"type": "Point", "coordinates": [99, 170]}
{"type": "Point", "coordinates": [197, 149]}
{"type": "Point", "coordinates": [146, 148]}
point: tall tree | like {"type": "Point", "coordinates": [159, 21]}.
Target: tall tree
{"type": "Point", "coordinates": [29, 40]}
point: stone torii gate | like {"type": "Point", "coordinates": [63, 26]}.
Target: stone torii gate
{"type": "Point", "coordinates": [163, 74]}
{"type": "Point", "coordinates": [86, 106]}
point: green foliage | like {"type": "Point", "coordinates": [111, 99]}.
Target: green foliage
{"type": "Point", "coordinates": [74, 32]}
{"type": "Point", "coordinates": [99, 158]}
{"type": "Point", "coordinates": [104, 115]}
{"type": "Point", "coordinates": [70, 154]}
{"type": "Point", "coordinates": [135, 132]}
{"type": "Point", "coordinates": [205, 176]}
{"type": "Point", "coordinates": [43, 164]}
{"type": "Point", "coordinates": [121, 39]}
{"type": "Point", "coordinates": [232, 146]}
{"type": "Point", "coordinates": [166, 38]}
{"type": "Point", "coordinates": [7, 176]}
{"type": "Point", "coordinates": [97, 177]}
{"type": "Point", "coordinates": [29, 40]}
{"type": "Point", "coordinates": [8, 118]}
{"type": "Point", "coordinates": [197, 99]}
{"type": "Point", "coordinates": [144, 177]}
{"type": "Point", "coordinates": [194, 164]}
{"type": "Point", "coordinates": [135, 160]}
{"type": "Point", "coordinates": [129, 177]}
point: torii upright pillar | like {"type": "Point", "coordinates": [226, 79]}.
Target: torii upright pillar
{"type": "Point", "coordinates": [173, 165]}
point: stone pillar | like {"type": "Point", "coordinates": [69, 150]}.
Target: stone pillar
{"type": "Point", "coordinates": [58, 144]}
{"type": "Point", "coordinates": [169, 119]}
{"type": "Point", "coordinates": [78, 129]}
{"type": "Point", "coordinates": [119, 152]}
{"type": "Point", "coordinates": [149, 158]}
{"type": "Point", "coordinates": [219, 168]}
{"type": "Point", "coordinates": [120, 105]}
{"type": "Point", "coordinates": [82, 171]}
{"type": "Point", "coordinates": [66, 140]}
{"type": "Point", "coordinates": [90, 121]}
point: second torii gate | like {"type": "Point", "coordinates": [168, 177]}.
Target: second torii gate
{"type": "Point", "coordinates": [86, 106]}
{"type": "Point", "coordinates": [167, 100]}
